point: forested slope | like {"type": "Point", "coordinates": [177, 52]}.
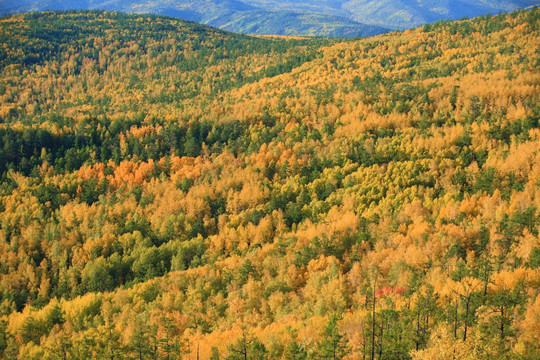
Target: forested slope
{"type": "Point", "coordinates": [168, 190]}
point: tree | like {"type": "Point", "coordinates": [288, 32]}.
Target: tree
{"type": "Point", "coordinates": [56, 316]}
{"type": "Point", "coordinates": [371, 299]}
{"type": "Point", "coordinates": [454, 97]}
{"type": "Point", "coordinates": [3, 336]}
{"type": "Point", "coordinates": [506, 292]}
{"type": "Point", "coordinates": [31, 330]}
{"type": "Point", "coordinates": [141, 341]}
{"type": "Point", "coordinates": [247, 347]}
{"type": "Point", "coordinates": [59, 344]}
{"type": "Point", "coordinates": [443, 346]}
{"type": "Point", "coordinates": [214, 353]}
{"type": "Point", "coordinates": [295, 352]}
{"type": "Point", "coordinates": [333, 345]}
{"type": "Point", "coordinates": [469, 292]}
{"type": "Point", "coordinates": [169, 348]}
{"type": "Point", "coordinates": [107, 343]}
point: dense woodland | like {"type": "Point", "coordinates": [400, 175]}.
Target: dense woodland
{"type": "Point", "coordinates": [173, 191]}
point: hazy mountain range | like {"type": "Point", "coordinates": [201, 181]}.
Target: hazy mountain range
{"type": "Point", "coordinates": [287, 17]}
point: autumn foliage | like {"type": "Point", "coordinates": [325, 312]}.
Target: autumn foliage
{"type": "Point", "coordinates": [173, 191]}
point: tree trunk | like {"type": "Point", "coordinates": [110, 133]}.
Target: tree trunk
{"type": "Point", "coordinates": [364, 348]}
{"type": "Point", "coordinates": [501, 327]}
{"type": "Point", "coordinates": [381, 342]}
{"type": "Point", "coordinates": [466, 318]}
{"type": "Point", "coordinates": [417, 340]}
{"type": "Point", "coordinates": [373, 324]}
{"type": "Point", "coordinates": [455, 319]}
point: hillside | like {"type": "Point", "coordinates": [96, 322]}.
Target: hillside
{"type": "Point", "coordinates": [171, 190]}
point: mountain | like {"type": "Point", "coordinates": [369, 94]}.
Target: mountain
{"type": "Point", "coordinates": [230, 15]}
{"type": "Point", "coordinates": [308, 17]}
{"type": "Point", "coordinates": [171, 190]}
{"type": "Point", "coordinates": [405, 14]}
{"type": "Point", "coordinates": [294, 23]}
{"type": "Point", "coordinates": [402, 14]}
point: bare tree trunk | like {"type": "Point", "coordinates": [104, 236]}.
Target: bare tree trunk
{"type": "Point", "coordinates": [364, 349]}
{"type": "Point", "coordinates": [466, 318]}
{"type": "Point", "coordinates": [455, 319]}
{"type": "Point", "coordinates": [417, 341]}
{"type": "Point", "coordinates": [501, 327]}
{"type": "Point", "coordinates": [381, 341]}
{"type": "Point", "coordinates": [373, 322]}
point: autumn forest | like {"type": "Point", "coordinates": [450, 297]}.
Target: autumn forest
{"type": "Point", "coordinates": [173, 191]}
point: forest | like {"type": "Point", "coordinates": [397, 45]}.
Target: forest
{"type": "Point", "coordinates": [173, 191]}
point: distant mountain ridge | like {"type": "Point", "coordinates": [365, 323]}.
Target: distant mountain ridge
{"type": "Point", "coordinates": [287, 17]}
{"type": "Point", "coordinates": [398, 13]}
{"type": "Point", "coordinates": [232, 15]}
{"type": "Point", "coordinates": [411, 13]}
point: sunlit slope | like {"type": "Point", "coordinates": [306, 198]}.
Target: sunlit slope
{"type": "Point", "coordinates": [382, 191]}
{"type": "Point", "coordinates": [95, 63]}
